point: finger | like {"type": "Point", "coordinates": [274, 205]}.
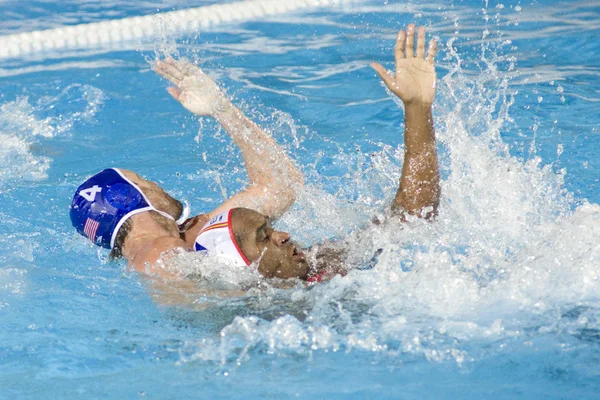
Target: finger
{"type": "Point", "coordinates": [185, 68]}
{"type": "Point", "coordinates": [383, 74]}
{"type": "Point", "coordinates": [191, 69]}
{"type": "Point", "coordinates": [169, 71]}
{"type": "Point", "coordinates": [160, 69]}
{"type": "Point", "coordinates": [176, 93]}
{"type": "Point", "coordinates": [421, 42]}
{"type": "Point", "coordinates": [168, 76]}
{"type": "Point", "coordinates": [400, 43]}
{"type": "Point", "coordinates": [181, 66]}
{"type": "Point", "coordinates": [431, 51]}
{"type": "Point", "coordinates": [166, 67]}
{"type": "Point", "coordinates": [410, 41]}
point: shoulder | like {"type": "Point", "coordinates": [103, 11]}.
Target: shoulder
{"type": "Point", "coordinates": [155, 250]}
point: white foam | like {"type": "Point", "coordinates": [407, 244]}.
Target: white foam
{"type": "Point", "coordinates": [19, 126]}
{"type": "Point", "coordinates": [24, 128]}
{"type": "Point", "coordinates": [507, 243]}
{"type": "Point", "coordinates": [212, 271]}
{"type": "Point", "coordinates": [13, 281]}
{"type": "Point", "coordinates": [16, 160]}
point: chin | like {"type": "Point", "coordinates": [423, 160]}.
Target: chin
{"type": "Point", "coordinates": [303, 270]}
{"type": "Point", "coordinates": [295, 270]}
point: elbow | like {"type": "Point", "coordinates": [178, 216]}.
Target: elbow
{"type": "Point", "coordinates": [279, 198]}
{"type": "Point", "coordinates": [289, 186]}
{"type": "Point", "coordinates": [288, 193]}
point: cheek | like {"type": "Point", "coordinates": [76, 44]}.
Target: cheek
{"type": "Point", "coordinates": [275, 263]}
{"type": "Point", "coordinates": [254, 252]}
{"type": "Point", "coordinates": [269, 264]}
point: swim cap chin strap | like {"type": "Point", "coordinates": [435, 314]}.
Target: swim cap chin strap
{"type": "Point", "coordinates": [216, 237]}
{"type": "Point", "coordinates": [104, 202]}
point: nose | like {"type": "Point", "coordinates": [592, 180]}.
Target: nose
{"type": "Point", "coordinates": [280, 238]}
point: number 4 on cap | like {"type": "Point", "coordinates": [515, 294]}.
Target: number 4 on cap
{"type": "Point", "coordinates": [90, 193]}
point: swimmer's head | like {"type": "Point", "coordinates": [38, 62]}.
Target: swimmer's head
{"type": "Point", "coordinates": [103, 205]}
{"type": "Point", "coordinates": [245, 236]}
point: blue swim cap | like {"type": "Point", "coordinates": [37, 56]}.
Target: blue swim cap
{"type": "Point", "coordinates": [104, 202]}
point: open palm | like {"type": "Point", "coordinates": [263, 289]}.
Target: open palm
{"type": "Point", "coordinates": [414, 79]}
{"type": "Point", "coordinates": [195, 90]}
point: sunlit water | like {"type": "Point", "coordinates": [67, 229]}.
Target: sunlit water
{"type": "Point", "coordinates": [496, 299]}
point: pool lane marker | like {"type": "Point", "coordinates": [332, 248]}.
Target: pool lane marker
{"type": "Point", "coordinates": [104, 33]}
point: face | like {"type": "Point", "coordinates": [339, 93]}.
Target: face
{"type": "Point", "coordinates": [278, 255]}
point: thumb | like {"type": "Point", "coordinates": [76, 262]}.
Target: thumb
{"type": "Point", "coordinates": [173, 91]}
{"type": "Point", "coordinates": [383, 74]}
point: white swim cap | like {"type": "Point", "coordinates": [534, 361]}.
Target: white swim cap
{"type": "Point", "coordinates": [216, 237]}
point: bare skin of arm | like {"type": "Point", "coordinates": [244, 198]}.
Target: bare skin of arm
{"type": "Point", "coordinates": [273, 177]}
{"type": "Point", "coordinates": [149, 242]}
{"type": "Point", "coordinates": [185, 292]}
{"type": "Point", "coordinates": [414, 83]}
{"type": "Point", "coordinates": [419, 190]}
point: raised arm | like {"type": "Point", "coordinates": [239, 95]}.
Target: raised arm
{"type": "Point", "coordinates": [414, 84]}
{"type": "Point", "coordinates": [273, 177]}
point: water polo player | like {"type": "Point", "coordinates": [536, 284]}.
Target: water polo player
{"type": "Point", "coordinates": [138, 220]}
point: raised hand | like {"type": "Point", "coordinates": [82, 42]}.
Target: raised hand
{"type": "Point", "coordinates": [414, 79]}
{"type": "Point", "coordinates": [274, 179]}
{"type": "Point", "coordinates": [195, 90]}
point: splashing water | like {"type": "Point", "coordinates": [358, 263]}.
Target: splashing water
{"type": "Point", "coordinates": [23, 128]}
{"type": "Point", "coordinates": [509, 250]}
{"type": "Point", "coordinates": [502, 287]}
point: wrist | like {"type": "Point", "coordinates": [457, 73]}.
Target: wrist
{"type": "Point", "coordinates": [417, 105]}
{"type": "Point", "coordinates": [222, 108]}
{"type": "Point", "coordinates": [416, 111]}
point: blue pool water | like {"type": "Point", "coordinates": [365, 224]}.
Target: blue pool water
{"type": "Point", "coordinates": [499, 298]}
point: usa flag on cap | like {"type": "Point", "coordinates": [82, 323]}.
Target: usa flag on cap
{"type": "Point", "coordinates": [90, 228]}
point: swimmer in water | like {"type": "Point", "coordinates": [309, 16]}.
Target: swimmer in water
{"type": "Point", "coordinates": [139, 221]}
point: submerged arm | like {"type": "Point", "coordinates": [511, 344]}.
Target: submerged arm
{"type": "Point", "coordinates": [273, 177]}
{"type": "Point", "coordinates": [414, 83]}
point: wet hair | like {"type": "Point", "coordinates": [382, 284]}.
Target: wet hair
{"type": "Point", "coordinates": [164, 203]}
{"type": "Point", "coordinates": [115, 252]}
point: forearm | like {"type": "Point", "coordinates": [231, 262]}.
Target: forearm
{"type": "Point", "coordinates": [184, 292]}
{"type": "Point", "coordinates": [269, 168]}
{"type": "Point", "coordinates": [273, 176]}
{"type": "Point", "coordinates": [419, 189]}
{"type": "Point", "coordinates": [266, 162]}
